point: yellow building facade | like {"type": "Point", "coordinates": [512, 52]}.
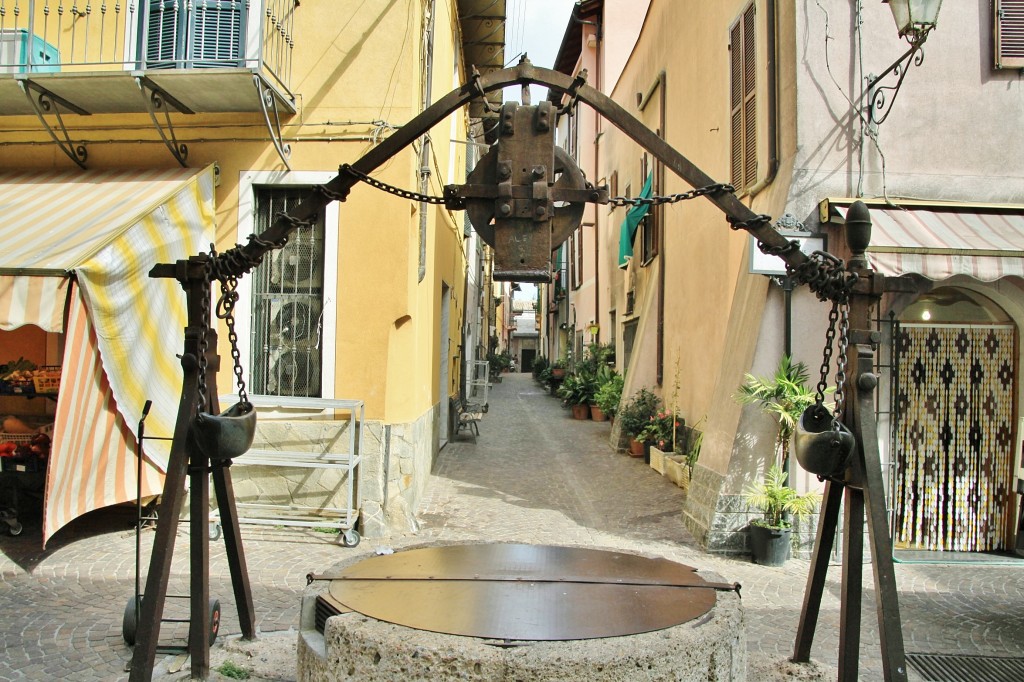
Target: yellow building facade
{"type": "Point", "coordinates": [276, 95]}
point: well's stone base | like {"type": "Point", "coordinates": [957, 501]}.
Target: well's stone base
{"type": "Point", "coordinates": [356, 647]}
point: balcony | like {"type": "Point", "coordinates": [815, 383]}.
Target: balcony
{"type": "Point", "coordinates": [146, 56]}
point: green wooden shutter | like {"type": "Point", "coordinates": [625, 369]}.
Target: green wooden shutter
{"type": "Point", "coordinates": [1009, 34]}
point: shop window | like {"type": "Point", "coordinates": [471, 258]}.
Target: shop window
{"type": "Point", "coordinates": [743, 100]}
{"type": "Point", "coordinates": [1009, 33]}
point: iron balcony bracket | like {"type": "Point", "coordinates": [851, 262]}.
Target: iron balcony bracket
{"type": "Point", "coordinates": [268, 103]}
{"type": "Point", "coordinates": [45, 102]}
{"type": "Point", "coordinates": [158, 101]}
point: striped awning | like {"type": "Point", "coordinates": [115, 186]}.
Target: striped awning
{"type": "Point", "coordinates": [93, 456]}
{"type": "Point", "coordinates": [105, 230]}
{"type": "Point", "coordinates": [939, 241]}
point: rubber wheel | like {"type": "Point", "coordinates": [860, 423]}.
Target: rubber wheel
{"type": "Point", "coordinates": [130, 623]}
{"type": "Point", "coordinates": [350, 538]}
{"type": "Point", "coordinates": [214, 614]}
{"type": "Point", "coordinates": [16, 528]}
{"type": "Point", "coordinates": [214, 532]}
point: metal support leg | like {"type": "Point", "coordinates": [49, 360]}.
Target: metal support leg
{"type": "Point", "coordinates": [144, 655]}
{"type": "Point", "coordinates": [828, 522]}
{"type": "Point", "coordinates": [233, 545]}
{"type": "Point", "coordinates": [852, 587]}
{"type": "Point", "coordinates": [199, 580]}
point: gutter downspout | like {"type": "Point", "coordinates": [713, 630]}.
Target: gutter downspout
{"type": "Point", "coordinates": [428, 70]}
{"type": "Point", "coordinates": [773, 100]}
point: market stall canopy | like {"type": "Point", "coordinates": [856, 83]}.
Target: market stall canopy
{"type": "Point", "coordinates": [106, 230]}
{"type": "Point", "coordinates": [939, 240]}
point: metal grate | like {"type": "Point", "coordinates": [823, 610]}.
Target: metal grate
{"type": "Point", "coordinates": [962, 668]}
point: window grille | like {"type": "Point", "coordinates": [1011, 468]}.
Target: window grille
{"type": "Point", "coordinates": [287, 304]}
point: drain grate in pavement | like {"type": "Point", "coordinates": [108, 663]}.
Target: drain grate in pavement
{"type": "Point", "coordinates": [959, 668]}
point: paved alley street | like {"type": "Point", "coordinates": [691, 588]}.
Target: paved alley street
{"type": "Point", "coordinates": [532, 475]}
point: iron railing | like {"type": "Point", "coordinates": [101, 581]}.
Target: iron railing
{"type": "Point", "coordinates": [38, 36]}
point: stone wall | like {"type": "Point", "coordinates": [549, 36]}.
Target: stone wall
{"type": "Point", "coordinates": [719, 521]}
{"type": "Point", "coordinates": [393, 473]}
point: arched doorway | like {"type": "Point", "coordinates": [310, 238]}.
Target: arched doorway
{"type": "Point", "coordinates": [956, 358]}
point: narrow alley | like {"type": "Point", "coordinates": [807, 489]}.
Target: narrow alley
{"type": "Point", "coordinates": [532, 475]}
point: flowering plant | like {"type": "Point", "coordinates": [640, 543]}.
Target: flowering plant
{"type": "Point", "coordinates": [660, 430]}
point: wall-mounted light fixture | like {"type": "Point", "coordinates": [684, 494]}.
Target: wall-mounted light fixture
{"type": "Point", "coordinates": [914, 19]}
{"type": "Point", "coordinates": [593, 328]}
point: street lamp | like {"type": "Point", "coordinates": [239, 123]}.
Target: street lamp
{"type": "Point", "coordinates": [914, 19]}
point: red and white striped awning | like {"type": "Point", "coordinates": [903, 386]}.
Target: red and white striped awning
{"type": "Point", "coordinates": [939, 241]}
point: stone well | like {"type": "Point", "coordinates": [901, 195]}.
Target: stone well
{"type": "Point", "coordinates": [354, 646]}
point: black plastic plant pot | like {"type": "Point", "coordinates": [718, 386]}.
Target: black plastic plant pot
{"type": "Point", "coordinates": [770, 546]}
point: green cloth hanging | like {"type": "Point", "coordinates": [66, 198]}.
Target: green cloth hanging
{"type": "Point", "coordinates": [629, 226]}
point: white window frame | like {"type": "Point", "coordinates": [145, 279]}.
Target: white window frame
{"type": "Point", "coordinates": [247, 181]}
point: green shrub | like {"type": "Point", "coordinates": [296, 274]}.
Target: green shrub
{"type": "Point", "coordinates": [637, 413]}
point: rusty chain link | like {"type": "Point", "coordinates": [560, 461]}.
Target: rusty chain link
{"type": "Point", "coordinates": [713, 189]}
{"type": "Point", "coordinates": [391, 189]}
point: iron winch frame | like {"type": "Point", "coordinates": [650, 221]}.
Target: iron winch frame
{"type": "Point", "coordinates": [852, 283]}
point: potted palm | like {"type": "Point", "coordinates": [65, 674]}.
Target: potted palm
{"type": "Point", "coordinates": [770, 536]}
{"type": "Point", "coordinates": [784, 396]}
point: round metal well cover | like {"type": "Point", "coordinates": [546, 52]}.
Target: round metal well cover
{"type": "Point", "coordinates": [524, 592]}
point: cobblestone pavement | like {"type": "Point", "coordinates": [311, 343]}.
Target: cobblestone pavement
{"type": "Point", "coordinates": [532, 475]}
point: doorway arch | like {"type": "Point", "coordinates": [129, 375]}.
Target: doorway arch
{"type": "Point", "coordinates": [954, 457]}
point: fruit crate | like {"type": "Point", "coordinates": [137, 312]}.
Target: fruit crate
{"type": "Point", "coordinates": [11, 387]}
{"type": "Point", "coordinates": [47, 379]}
{"type": "Point", "coordinates": [20, 464]}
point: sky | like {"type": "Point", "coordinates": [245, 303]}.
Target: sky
{"type": "Point", "coordinates": [535, 27]}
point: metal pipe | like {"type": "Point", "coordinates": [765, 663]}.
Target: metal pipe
{"type": "Point", "coordinates": [428, 69]}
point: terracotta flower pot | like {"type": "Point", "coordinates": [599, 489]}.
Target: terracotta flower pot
{"type": "Point", "coordinates": [597, 414]}
{"type": "Point", "coordinates": [581, 411]}
{"type": "Point", "coordinates": [636, 448]}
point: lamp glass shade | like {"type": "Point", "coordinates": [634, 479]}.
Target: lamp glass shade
{"type": "Point", "coordinates": [914, 15]}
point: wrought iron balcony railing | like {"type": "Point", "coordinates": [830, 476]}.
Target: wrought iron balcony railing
{"type": "Point", "coordinates": [135, 56]}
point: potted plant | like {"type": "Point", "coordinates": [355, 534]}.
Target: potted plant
{"type": "Point", "coordinates": [608, 395]}
{"type": "Point", "coordinates": [784, 396]}
{"type": "Point", "coordinates": [770, 536]}
{"type": "Point", "coordinates": [634, 417]}
{"type": "Point", "coordinates": [576, 391]}
{"type": "Point", "coordinates": [558, 369]}
{"type": "Point", "coordinates": [540, 363]}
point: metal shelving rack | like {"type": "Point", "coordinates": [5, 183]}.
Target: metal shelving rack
{"type": "Point", "coordinates": [343, 518]}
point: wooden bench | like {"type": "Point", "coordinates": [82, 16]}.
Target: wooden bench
{"type": "Point", "coordinates": [469, 415]}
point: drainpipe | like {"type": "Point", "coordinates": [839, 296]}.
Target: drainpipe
{"type": "Point", "coordinates": [773, 101]}
{"type": "Point", "coordinates": [428, 70]}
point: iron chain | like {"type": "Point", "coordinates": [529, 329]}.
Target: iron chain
{"type": "Point", "coordinates": [391, 189]}
{"type": "Point", "coordinates": [226, 312]}
{"type": "Point", "coordinates": [714, 189]}
{"type": "Point", "coordinates": [204, 344]}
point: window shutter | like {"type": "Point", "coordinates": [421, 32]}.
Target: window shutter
{"type": "Point", "coordinates": [165, 33]}
{"type": "Point", "coordinates": [749, 100]}
{"type": "Point", "coordinates": [743, 100]}
{"type": "Point", "coordinates": [218, 30]}
{"type": "Point", "coordinates": [736, 104]}
{"type": "Point", "coordinates": [199, 34]}
{"type": "Point", "coordinates": [1009, 34]}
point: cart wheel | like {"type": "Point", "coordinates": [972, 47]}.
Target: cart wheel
{"type": "Point", "coordinates": [130, 622]}
{"type": "Point", "coordinates": [350, 538]}
{"type": "Point", "coordinates": [214, 614]}
{"type": "Point", "coordinates": [214, 532]}
{"type": "Point", "coordinates": [16, 528]}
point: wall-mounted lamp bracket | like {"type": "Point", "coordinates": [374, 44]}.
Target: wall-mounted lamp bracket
{"type": "Point", "coordinates": [881, 97]}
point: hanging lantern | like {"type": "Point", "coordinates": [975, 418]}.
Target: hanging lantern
{"type": "Point", "coordinates": [915, 17]}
